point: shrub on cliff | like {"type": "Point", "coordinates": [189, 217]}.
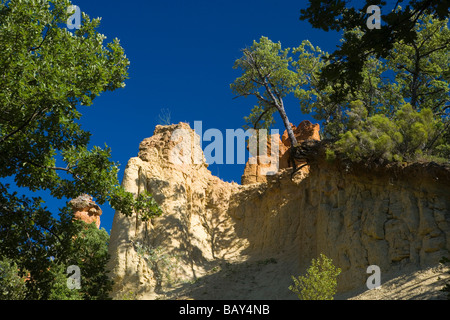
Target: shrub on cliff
{"type": "Point", "coordinates": [379, 138]}
{"type": "Point", "coordinates": [320, 281]}
{"type": "Point", "coordinates": [404, 62]}
{"type": "Point", "coordinates": [398, 110]}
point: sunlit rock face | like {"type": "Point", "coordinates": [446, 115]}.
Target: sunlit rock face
{"type": "Point", "coordinates": [221, 240]}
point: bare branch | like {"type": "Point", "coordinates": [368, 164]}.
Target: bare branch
{"type": "Point", "coordinates": [256, 94]}
{"type": "Point", "coordinates": [261, 116]}
{"type": "Point", "coordinates": [445, 45]}
{"type": "Point", "coordinates": [66, 169]}
{"type": "Point", "coordinates": [35, 114]}
{"type": "Point", "coordinates": [49, 29]}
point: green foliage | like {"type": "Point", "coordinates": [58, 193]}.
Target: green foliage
{"type": "Point", "coordinates": [127, 296]}
{"type": "Point", "coordinates": [12, 285]}
{"type": "Point", "coordinates": [398, 111]}
{"type": "Point", "coordinates": [47, 75]}
{"type": "Point", "coordinates": [320, 281]}
{"type": "Point", "coordinates": [260, 118]}
{"type": "Point", "coordinates": [378, 138]}
{"type": "Point", "coordinates": [162, 263]}
{"type": "Point", "coordinates": [330, 155]}
{"type": "Point", "coordinates": [147, 206]}
{"type": "Point", "coordinates": [59, 289]}
{"type": "Point", "coordinates": [266, 74]}
{"type": "Point", "coordinates": [264, 61]}
{"type": "Point", "coordinates": [347, 62]}
{"type": "Point", "coordinates": [90, 254]}
{"type": "Point", "coordinates": [88, 250]}
{"type": "Point", "coordinates": [43, 246]}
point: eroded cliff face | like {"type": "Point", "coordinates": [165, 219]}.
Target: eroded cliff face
{"type": "Point", "coordinates": [219, 240]}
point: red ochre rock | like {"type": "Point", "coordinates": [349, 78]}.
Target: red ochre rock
{"type": "Point", "coordinates": [85, 209]}
{"type": "Point", "coordinates": [256, 170]}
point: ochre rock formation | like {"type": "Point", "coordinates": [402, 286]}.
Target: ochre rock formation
{"type": "Point", "coordinates": [257, 171]}
{"type": "Point", "coordinates": [86, 210]}
{"type": "Point", "coordinates": [304, 131]}
{"type": "Point", "coordinates": [220, 240]}
{"type": "Point", "coordinates": [259, 167]}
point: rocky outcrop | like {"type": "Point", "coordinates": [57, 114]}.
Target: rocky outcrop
{"type": "Point", "coordinates": [191, 232]}
{"type": "Point", "coordinates": [256, 171]}
{"type": "Point", "coordinates": [220, 240]}
{"type": "Point", "coordinates": [304, 131]}
{"type": "Point", "coordinates": [85, 209]}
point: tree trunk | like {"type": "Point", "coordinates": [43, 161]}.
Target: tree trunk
{"type": "Point", "coordinates": [287, 125]}
{"type": "Point", "coordinates": [415, 80]}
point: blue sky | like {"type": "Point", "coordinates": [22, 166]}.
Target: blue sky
{"type": "Point", "coordinates": [181, 55]}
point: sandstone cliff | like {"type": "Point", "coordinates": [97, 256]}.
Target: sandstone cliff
{"type": "Point", "coordinates": [219, 240]}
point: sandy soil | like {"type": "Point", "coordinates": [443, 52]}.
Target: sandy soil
{"type": "Point", "coordinates": [411, 285]}
{"type": "Point", "coordinates": [270, 278]}
{"type": "Point", "coordinates": [264, 279]}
